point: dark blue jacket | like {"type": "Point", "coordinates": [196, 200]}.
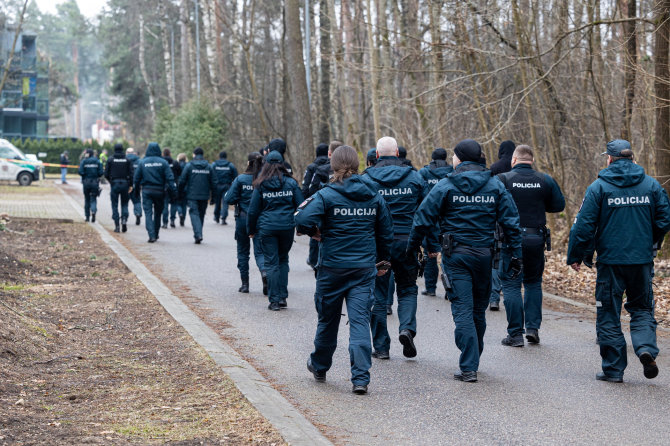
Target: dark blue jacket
{"type": "Point", "coordinates": [322, 175]}
{"type": "Point", "coordinates": [273, 204]}
{"type": "Point", "coordinates": [224, 171]}
{"type": "Point", "coordinates": [134, 159]}
{"type": "Point", "coordinates": [403, 190]}
{"type": "Point", "coordinates": [309, 173]}
{"type": "Point", "coordinates": [154, 173]}
{"type": "Point", "coordinates": [197, 180]}
{"type": "Point", "coordinates": [90, 170]}
{"type": "Point", "coordinates": [354, 221]}
{"type": "Point", "coordinates": [624, 212]}
{"type": "Point", "coordinates": [435, 171]}
{"type": "Point", "coordinates": [240, 192]}
{"type": "Point", "coordinates": [467, 205]}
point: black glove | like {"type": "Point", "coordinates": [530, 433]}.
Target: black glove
{"type": "Point", "coordinates": [515, 267]}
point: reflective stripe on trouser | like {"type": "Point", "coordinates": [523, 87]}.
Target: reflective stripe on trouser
{"type": "Point", "coordinates": [275, 245]}
{"type": "Point", "coordinates": [244, 248]}
{"type": "Point", "coordinates": [152, 203]}
{"type": "Point", "coordinates": [527, 311]}
{"type": "Point", "coordinates": [90, 200]}
{"type": "Point", "coordinates": [354, 286]}
{"type": "Point", "coordinates": [119, 190]}
{"type": "Point", "coordinates": [404, 273]}
{"type": "Point", "coordinates": [470, 278]}
{"type": "Point", "coordinates": [611, 283]}
{"type": "Point", "coordinates": [431, 272]}
{"type": "Point", "coordinates": [197, 210]}
{"type": "Point", "coordinates": [220, 208]}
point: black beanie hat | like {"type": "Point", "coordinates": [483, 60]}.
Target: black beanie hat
{"type": "Point", "coordinates": [439, 154]}
{"type": "Point", "coordinates": [402, 152]}
{"type": "Point", "coordinates": [118, 148]}
{"type": "Point", "coordinates": [278, 145]}
{"type": "Point", "coordinates": [468, 150]}
{"type": "Point", "coordinates": [223, 155]}
{"type": "Point", "coordinates": [198, 151]}
{"type": "Point", "coordinates": [89, 152]}
{"type": "Point", "coordinates": [322, 150]}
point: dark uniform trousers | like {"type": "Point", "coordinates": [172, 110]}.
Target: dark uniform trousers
{"type": "Point", "coordinates": [137, 204]}
{"type": "Point", "coordinates": [527, 311]}
{"type": "Point", "coordinates": [404, 271]}
{"type": "Point", "coordinates": [197, 209]}
{"type": "Point", "coordinates": [611, 283]}
{"type": "Point", "coordinates": [119, 189]}
{"type": "Point", "coordinates": [431, 272]}
{"type": "Point", "coordinates": [355, 287]}
{"type": "Point", "coordinates": [221, 208]}
{"type": "Point", "coordinates": [244, 247]}
{"type": "Point", "coordinates": [275, 245]}
{"type": "Point", "coordinates": [91, 189]}
{"type": "Point", "coordinates": [153, 201]}
{"type": "Point", "coordinates": [469, 271]}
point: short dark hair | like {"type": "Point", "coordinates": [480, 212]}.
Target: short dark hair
{"type": "Point", "coordinates": [334, 145]}
{"type": "Point", "coordinates": [625, 155]}
{"type": "Point", "coordinates": [223, 154]}
{"type": "Point", "coordinates": [166, 152]}
{"type": "Point", "coordinates": [198, 151]}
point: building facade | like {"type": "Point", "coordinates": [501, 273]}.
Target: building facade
{"type": "Point", "coordinates": [24, 99]}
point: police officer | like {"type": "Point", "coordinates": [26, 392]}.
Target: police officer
{"type": "Point", "coordinates": [198, 183]}
{"type": "Point", "coordinates": [90, 170]}
{"type": "Point", "coordinates": [320, 160]}
{"type": "Point", "coordinates": [270, 216]}
{"type": "Point", "coordinates": [624, 212]}
{"type": "Point", "coordinates": [535, 194]}
{"type": "Point", "coordinates": [239, 195]}
{"type": "Point", "coordinates": [180, 203]}
{"type": "Point", "coordinates": [279, 145]}
{"type": "Point", "coordinates": [324, 172]}
{"type": "Point", "coordinates": [225, 172]}
{"type": "Point", "coordinates": [357, 231]}
{"type": "Point", "coordinates": [435, 171]}
{"type": "Point", "coordinates": [402, 156]}
{"type": "Point", "coordinates": [170, 203]}
{"type": "Point", "coordinates": [119, 173]}
{"type": "Point", "coordinates": [403, 189]}
{"type": "Point", "coordinates": [466, 206]}
{"type": "Point", "coordinates": [135, 198]}
{"type": "Point", "coordinates": [153, 176]}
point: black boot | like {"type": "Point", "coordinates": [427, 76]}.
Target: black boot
{"type": "Point", "coordinates": [245, 285]}
{"type": "Point", "coordinates": [137, 220]}
{"type": "Point", "coordinates": [181, 220]}
{"type": "Point", "coordinates": [116, 227]}
{"type": "Point", "coordinates": [265, 283]}
{"type": "Point", "coordinates": [172, 223]}
{"type": "Point", "coordinates": [124, 226]}
{"type": "Point", "coordinates": [93, 217]}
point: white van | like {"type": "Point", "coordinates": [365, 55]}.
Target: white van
{"type": "Point", "coordinates": [22, 169]}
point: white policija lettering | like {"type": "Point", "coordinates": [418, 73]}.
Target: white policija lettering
{"type": "Point", "coordinates": [355, 212]}
{"type": "Point", "coordinates": [247, 187]}
{"type": "Point", "coordinates": [399, 191]}
{"type": "Point", "coordinates": [153, 165]}
{"type": "Point", "coordinates": [201, 171]}
{"type": "Point", "coordinates": [527, 185]}
{"type": "Point", "coordinates": [626, 201]}
{"type": "Point", "coordinates": [473, 199]}
{"type": "Point", "coordinates": [281, 193]}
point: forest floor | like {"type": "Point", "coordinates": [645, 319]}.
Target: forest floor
{"type": "Point", "coordinates": [88, 356]}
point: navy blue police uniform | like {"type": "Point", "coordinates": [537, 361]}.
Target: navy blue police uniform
{"type": "Point", "coordinates": [225, 172]}
{"type": "Point", "coordinates": [270, 217]}
{"type": "Point", "coordinates": [356, 232]}
{"type": "Point", "coordinates": [135, 198]}
{"type": "Point", "coordinates": [90, 170]}
{"type": "Point", "coordinates": [623, 214]}
{"type": "Point", "coordinates": [403, 189]}
{"type": "Point", "coordinates": [153, 177]}
{"type": "Point", "coordinates": [170, 209]}
{"type": "Point", "coordinates": [119, 173]}
{"type": "Point", "coordinates": [465, 206]}
{"type": "Point", "coordinates": [198, 183]}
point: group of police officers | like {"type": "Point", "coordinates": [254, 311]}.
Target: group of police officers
{"type": "Point", "coordinates": [368, 230]}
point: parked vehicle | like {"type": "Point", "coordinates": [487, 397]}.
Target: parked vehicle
{"type": "Point", "coordinates": [23, 168]}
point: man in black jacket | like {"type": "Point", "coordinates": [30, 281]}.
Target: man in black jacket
{"type": "Point", "coordinates": [320, 160]}
{"type": "Point", "coordinates": [119, 173]}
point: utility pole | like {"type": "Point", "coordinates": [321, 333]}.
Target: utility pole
{"type": "Point", "coordinates": [197, 47]}
{"type": "Point", "coordinates": [307, 55]}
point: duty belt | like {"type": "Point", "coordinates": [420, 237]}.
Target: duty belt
{"type": "Point", "coordinates": [532, 231]}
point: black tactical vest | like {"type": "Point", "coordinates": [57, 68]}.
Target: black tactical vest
{"type": "Point", "coordinates": [529, 190]}
{"type": "Point", "coordinates": [119, 169]}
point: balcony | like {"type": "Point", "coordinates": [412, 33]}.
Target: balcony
{"type": "Point", "coordinates": [11, 100]}
{"type": "Point", "coordinates": [43, 107]}
{"type": "Point", "coordinates": [29, 104]}
{"type": "Point", "coordinates": [28, 63]}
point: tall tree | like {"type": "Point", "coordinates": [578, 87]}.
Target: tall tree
{"type": "Point", "coordinates": [326, 54]}
{"type": "Point", "coordinates": [630, 66]}
{"type": "Point", "coordinates": [662, 86]}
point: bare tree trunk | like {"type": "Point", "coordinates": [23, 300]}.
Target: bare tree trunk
{"type": "Point", "coordinates": [208, 12]}
{"type": "Point", "coordinates": [374, 73]}
{"type": "Point", "coordinates": [302, 145]}
{"type": "Point", "coordinates": [662, 87]}
{"type": "Point", "coordinates": [165, 40]}
{"type": "Point", "coordinates": [326, 54]}
{"type": "Point", "coordinates": [630, 67]}
{"type": "Point", "coordinates": [185, 52]}
{"type": "Point", "coordinates": [75, 81]}
{"type": "Point", "coordinates": [143, 69]}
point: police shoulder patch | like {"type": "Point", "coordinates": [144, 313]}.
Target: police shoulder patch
{"type": "Point", "coordinates": [305, 203]}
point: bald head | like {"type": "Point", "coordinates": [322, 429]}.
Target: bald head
{"type": "Point", "coordinates": [387, 146]}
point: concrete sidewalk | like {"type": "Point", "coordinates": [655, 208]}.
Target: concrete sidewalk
{"type": "Point", "coordinates": [39, 200]}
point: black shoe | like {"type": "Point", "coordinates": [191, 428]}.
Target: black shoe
{"type": "Point", "coordinates": [283, 304]}
{"type": "Point", "coordinates": [389, 310]}
{"type": "Point", "coordinates": [124, 226]}
{"type": "Point", "coordinates": [88, 219]}
{"type": "Point", "coordinates": [600, 376]}
{"type": "Point", "coordinates": [274, 306]}
{"type": "Point", "coordinates": [428, 293]}
{"type": "Point", "coordinates": [381, 355]}
{"type": "Point", "coordinates": [649, 365]}
{"type": "Point", "coordinates": [216, 219]}
{"type": "Point", "coordinates": [152, 240]}
{"type": "Point", "coordinates": [224, 223]}
{"type": "Point", "coordinates": [181, 221]}
{"type": "Point", "coordinates": [320, 377]}
{"type": "Point", "coordinates": [198, 240]}
{"type": "Point", "coordinates": [172, 225]}
{"type": "Point", "coordinates": [466, 377]}
{"type": "Point", "coordinates": [265, 284]}
{"type": "Point", "coordinates": [93, 217]}
{"type": "Point", "coordinates": [407, 341]}
{"type": "Point", "coordinates": [510, 341]}
{"type": "Point", "coordinates": [495, 306]}
{"type": "Point", "coordinates": [533, 336]}
{"type": "Point", "coordinates": [117, 229]}
{"type": "Point", "coordinates": [138, 219]}
{"type": "Point", "coordinates": [164, 226]}
{"type": "Point", "coordinates": [360, 389]}
{"type": "Point", "coordinates": [245, 286]}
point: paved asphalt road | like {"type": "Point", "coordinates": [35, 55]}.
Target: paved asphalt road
{"type": "Point", "coordinates": [542, 394]}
